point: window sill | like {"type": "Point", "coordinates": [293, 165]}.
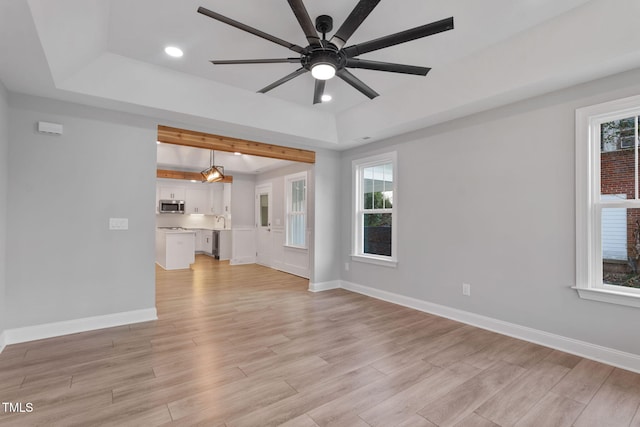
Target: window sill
{"type": "Point", "coordinates": [386, 262]}
{"type": "Point", "coordinates": [610, 296]}
{"type": "Point", "coordinates": [300, 248]}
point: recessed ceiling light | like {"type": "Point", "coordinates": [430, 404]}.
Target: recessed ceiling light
{"type": "Point", "coordinates": [158, 142]}
{"type": "Point", "coordinates": [326, 97]}
{"type": "Point", "coordinates": [237, 153]}
{"type": "Point", "coordinates": [173, 51]}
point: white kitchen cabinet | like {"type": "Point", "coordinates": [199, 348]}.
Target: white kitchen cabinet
{"type": "Point", "coordinates": [207, 242]}
{"type": "Point", "coordinates": [220, 202]}
{"type": "Point", "coordinates": [199, 240]}
{"type": "Point", "coordinates": [197, 201]}
{"type": "Point", "coordinates": [216, 193]}
{"type": "Point", "coordinates": [171, 193]}
{"type": "Point", "coordinates": [226, 199]}
{"type": "Point", "coordinates": [175, 249]}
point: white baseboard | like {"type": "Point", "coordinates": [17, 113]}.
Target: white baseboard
{"type": "Point", "coordinates": [620, 359]}
{"type": "Point", "coordinates": [3, 342]}
{"type": "Point", "coordinates": [242, 260]}
{"type": "Point", "coordinates": [295, 270]}
{"type": "Point", "coordinates": [49, 330]}
{"type": "Point", "coordinates": [324, 286]}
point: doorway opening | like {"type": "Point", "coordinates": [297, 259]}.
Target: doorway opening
{"type": "Point", "coordinates": [252, 227]}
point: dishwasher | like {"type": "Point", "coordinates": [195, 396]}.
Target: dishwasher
{"type": "Point", "coordinates": [215, 244]}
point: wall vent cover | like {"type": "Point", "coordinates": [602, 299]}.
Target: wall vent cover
{"type": "Point", "coordinates": [50, 128]}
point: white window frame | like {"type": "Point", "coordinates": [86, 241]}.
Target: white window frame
{"type": "Point", "coordinates": [589, 205]}
{"type": "Point", "coordinates": [357, 250]}
{"type": "Point", "coordinates": [288, 181]}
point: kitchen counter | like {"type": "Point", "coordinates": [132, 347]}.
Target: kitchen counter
{"type": "Point", "coordinates": [175, 247]}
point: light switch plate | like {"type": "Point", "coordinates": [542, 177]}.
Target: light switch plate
{"type": "Point", "coordinates": [118, 223]}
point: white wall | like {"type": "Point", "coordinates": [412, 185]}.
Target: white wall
{"type": "Point", "coordinates": [242, 197]}
{"type": "Point", "coordinates": [63, 262]}
{"type": "Point", "coordinates": [276, 179]}
{"type": "Point", "coordinates": [328, 185]}
{"type": "Point", "coordinates": [291, 260]}
{"type": "Point", "coordinates": [490, 200]}
{"type": "Point", "coordinates": [4, 184]}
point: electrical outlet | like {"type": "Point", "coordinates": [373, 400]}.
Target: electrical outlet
{"type": "Point", "coordinates": [346, 266]}
{"type": "Point", "coordinates": [466, 289]}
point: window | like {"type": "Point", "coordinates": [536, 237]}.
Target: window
{"type": "Point", "coordinates": [296, 227]}
{"type": "Point", "coordinates": [375, 210]}
{"type": "Point", "coordinates": [608, 202]}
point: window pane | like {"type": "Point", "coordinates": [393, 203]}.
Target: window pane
{"type": "Point", "coordinates": [367, 188]}
{"type": "Point", "coordinates": [297, 196]}
{"type": "Point", "coordinates": [297, 230]}
{"type": "Point", "coordinates": [377, 234]}
{"type": "Point", "coordinates": [621, 246]}
{"type": "Point", "coordinates": [264, 210]}
{"type": "Point", "coordinates": [617, 157]}
{"type": "Point", "coordinates": [388, 186]}
{"type": "Point", "coordinates": [378, 187]}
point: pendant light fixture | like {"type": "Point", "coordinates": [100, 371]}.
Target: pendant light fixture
{"type": "Point", "coordinates": [213, 173]}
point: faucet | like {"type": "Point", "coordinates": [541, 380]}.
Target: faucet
{"type": "Point", "coordinates": [224, 220]}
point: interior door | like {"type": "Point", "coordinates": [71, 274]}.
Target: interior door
{"type": "Point", "coordinates": [263, 224]}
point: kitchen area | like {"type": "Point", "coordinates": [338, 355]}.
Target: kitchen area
{"type": "Point", "coordinates": [222, 218]}
{"type": "Point", "coordinates": [192, 218]}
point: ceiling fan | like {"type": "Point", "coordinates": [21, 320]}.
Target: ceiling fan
{"type": "Point", "coordinates": [328, 58]}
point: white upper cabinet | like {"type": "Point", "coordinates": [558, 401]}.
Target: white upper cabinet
{"type": "Point", "coordinates": [171, 192]}
{"type": "Point", "coordinates": [226, 199]}
{"type": "Point", "coordinates": [197, 201]}
{"type": "Point", "coordinates": [206, 199]}
{"type": "Point", "coordinates": [216, 206]}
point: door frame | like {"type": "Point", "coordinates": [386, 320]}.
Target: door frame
{"type": "Point", "coordinates": [263, 232]}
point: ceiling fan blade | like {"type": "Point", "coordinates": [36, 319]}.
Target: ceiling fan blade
{"type": "Point", "coordinates": [256, 61]}
{"type": "Point", "coordinates": [401, 37]}
{"type": "Point", "coordinates": [357, 83]}
{"type": "Point", "coordinates": [318, 91]}
{"type": "Point", "coordinates": [249, 29]}
{"type": "Point", "coordinates": [353, 21]}
{"type": "Point", "coordinates": [386, 66]}
{"type": "Point", "coordinates": [283, 80]}
{"type": "Point", "coordinates": [305, 21]}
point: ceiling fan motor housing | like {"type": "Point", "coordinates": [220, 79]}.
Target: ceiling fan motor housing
{"type": "Point", "coordinates": [324, 24]}
{"type": "Point", "coordinates": [328, 54]}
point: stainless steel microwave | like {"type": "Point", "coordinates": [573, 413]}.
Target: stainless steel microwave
{"type": "Point", "coordinates": [171, 206]}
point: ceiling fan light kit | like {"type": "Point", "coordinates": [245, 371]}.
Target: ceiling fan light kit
{"type": "Point", "coordinates": [328, 58]}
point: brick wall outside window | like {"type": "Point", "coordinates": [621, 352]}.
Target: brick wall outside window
{"type": "Point", "coordinates": [617, 170]}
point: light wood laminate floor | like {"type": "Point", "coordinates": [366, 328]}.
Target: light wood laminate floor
{"type": "Point", "coordinates": [250, 346]}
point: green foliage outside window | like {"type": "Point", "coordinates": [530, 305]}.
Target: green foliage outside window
{"type": "Point", "coordinates": [377, 200]}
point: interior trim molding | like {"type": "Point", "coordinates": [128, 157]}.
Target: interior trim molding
{"type": "Point", "coordinates": [56, 329]}
{"type": "Point", "coordinates": [210, 141]}
{"type": "Point", "coordinates": [187, 175]}
{"type": "Point", "coordinates": [242, 260]}
{"type": "Point", "coordinates": [3, 343]}
{"type": "Point", "coordinates": [620, 359]}
{"type": "Point", "coordinates": [324, 286]}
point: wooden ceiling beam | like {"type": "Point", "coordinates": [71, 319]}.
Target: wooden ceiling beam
{"type": "Point", "coordinates": [191, 176]}
{"type": "Point", "coordinates": [209, 141]}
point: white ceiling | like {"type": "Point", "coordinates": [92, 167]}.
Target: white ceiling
{"type": "Point", "coordinates": [110, 53]}
{"type": "Point", "coordinates": [177, 157]}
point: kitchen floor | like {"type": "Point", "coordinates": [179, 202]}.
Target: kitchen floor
{"type": "Point", "coordinates": [250, 346]}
